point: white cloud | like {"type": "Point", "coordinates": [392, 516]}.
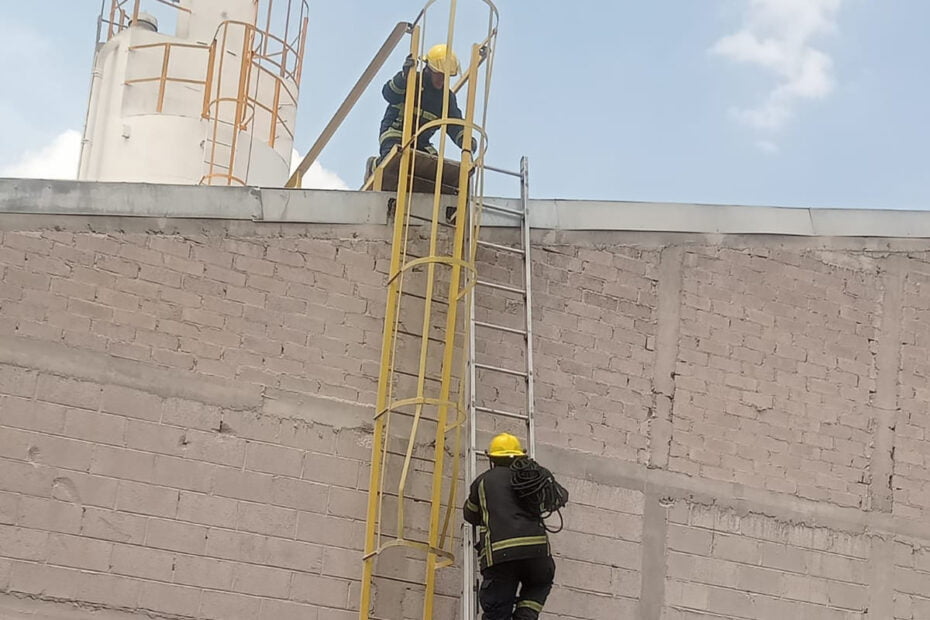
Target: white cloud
{"type": "Point", "coordinates": [58, 160]}
{"type": "Point", "coordinates": [777, 36]}
{"type": "Point", "coordinates": [317, 177]}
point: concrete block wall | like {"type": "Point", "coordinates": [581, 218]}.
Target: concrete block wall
{"type": "Point", "coordinates": [185, 412]}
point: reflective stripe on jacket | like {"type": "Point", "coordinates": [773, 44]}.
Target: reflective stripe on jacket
{"type": "Point", "coordinates": [430, 100]}
{"type": "Point", "coordinates": [506, 530]}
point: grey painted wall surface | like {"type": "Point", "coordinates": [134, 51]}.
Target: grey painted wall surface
{"type": "Point", "coordinates": [185, 411]}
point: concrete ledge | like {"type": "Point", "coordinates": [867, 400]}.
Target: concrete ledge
{"type": "Point", "coordinates": [39, 196]}
{"type": "Point", "coordinates": [271, 205]}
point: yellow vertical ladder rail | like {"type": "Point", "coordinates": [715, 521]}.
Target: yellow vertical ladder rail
{"type": "Point", "coordinates": [421, 401]}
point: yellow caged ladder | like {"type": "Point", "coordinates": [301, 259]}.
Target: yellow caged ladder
{"type": "Point", "coordinates": [422, 403]}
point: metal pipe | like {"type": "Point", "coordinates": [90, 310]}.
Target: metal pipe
{"type": "Point", "coordinates": [354, 95]}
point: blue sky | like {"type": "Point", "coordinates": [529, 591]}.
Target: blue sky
{"type": "Point", "coordinates": [773, 102]}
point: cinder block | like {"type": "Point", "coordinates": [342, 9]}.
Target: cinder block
{"type": "Point", "coordinates": [227, 276]}
{"type": "Point", "coordinates": [131, 403]}
{"type": "Point", "coordinates": [204, 572]}
{"type": "Point", "coordinates": [23, 544]}
{"type": "Point", "coordinates": [112, 525]}
{"type": "Point", "coordinates": [327, 469]}
{"type": "Point", "coordinates": [284, 610]}
{"type": "Point", "coordinates": [176, 536]}
{"type": "Point", "coordinates": [201, 317]}
{"type": "Point", "coordinates": [40, 513]}
{"type": "Point", "coordinates": [6, 571]}
{"type": "Point", "coordinates": [43, 580]}
{"type": "Point", "coordinates": [153, 437]}
{"type": "Point", "coordinates": [238, 546]}
{"type": "Point", "coordinates": [170, 599]}
{"type": "Point", "coordinates": [300, 494]}
{"type": "Point", "coordinates": [330, 530]}
{"type": "Point", "coordinates": [175, 246]}
{"type": "Point", "coordinates": [271, 520]}
{"type": "Point", "coordinates": [341, 562]}
{"type": "Point", "coordinates": [147, 499]}
{"type": "Point", "coordinates": [122, 463]}
{"type": "Point", "coordinates": [28, 478]}
{"type": "Point", "coordinates": [690, 540]}
{"type": "Point", "coordinates": [159, 275]}
{"type": "Point", "coordinates": [246, 485]}
{"type": "Point", "coordinates": [96, 427]}
{"type": "Point", "coordinates": [207, 509]}
{"type": "Point", "coordinates": [246, 296]}
{"type": "Point", "coordinates": [26, 280]}
{"type": "Point", "coordinates": [191, 414]}
{"type": "Point", "coordinates": [261, 580]}
{"type": "Point", "coordinates": [79, 552]}
{"type": "Point", "coordinates": [60, 390]}
{"type": "Point", "coordinates": [316, 590]}
{"type": "Point", "coordinates": [139, 254]}
{"type": "Point", "coordinates": [26, 414]}
{"type": "Point", "coordinates": [227, 606]}
{"type": "Point", "coordinates": [274, 459]}
{"type": "Point", "coordinates": [181, 473]}
{"type": "Point", "coordinates": [294, 555]}
{"type": "Point", "coordinates": [252, 425]}
{"type": "Point", "coordinates": [15, 381]}
{"type": "Point", "coordinates": [347, 503]}
{"type": "Point", "coordinates": [9, 508]}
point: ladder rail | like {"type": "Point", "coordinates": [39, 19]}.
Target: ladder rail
{"type": "Point", "coordinates": [470, 609]}
{"type": "Point", "coordinates": [528, 284]}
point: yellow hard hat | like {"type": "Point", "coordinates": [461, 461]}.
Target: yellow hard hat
{"type": "Point", "coordinates": [505, 444]}
{"type": "Point", "coordinates": [442, 60]}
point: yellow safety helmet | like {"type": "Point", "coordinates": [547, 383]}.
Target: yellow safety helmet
{"type": "Point", "coordinates": [505, 444]}
{"type": "Point", "coordinates": [442, 60]}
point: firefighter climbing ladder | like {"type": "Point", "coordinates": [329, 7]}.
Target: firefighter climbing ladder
{"type": "Point", "coordinates": [513, 334]}
{"type": "Point", "coordinates": [422, 402]}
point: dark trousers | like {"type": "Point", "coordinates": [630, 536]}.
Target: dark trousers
{"type": "Point", "coordinates": [499, 596]}
{"type": "Point", "coordinates": [389, 143]}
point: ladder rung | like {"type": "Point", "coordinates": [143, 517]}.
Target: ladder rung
{"type": "Point", "coordinates": [501, 287]}
{"type": "Point", "coordinates": [511, 330]}
{"type": "Point", "coordinates": [435, 300]}
{"type": "Point", "coordinates": [502, 248]}
{"type": "Point", "coordinates": [504, 171]}
{"type": "Point", "coordinates": [407, 373]}
{"type": "Point", "coordinates": [420, 336]}
{"type": "Point", "coordinates": [500, 209]}
{"type": "Point", "coordinates": [506, 414]}
{"type": "Point", "coordinates": [506, 371]}
{"type": "Point", "coordinates": [430, 220]}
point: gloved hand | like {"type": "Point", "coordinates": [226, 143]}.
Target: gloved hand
{"type": "Point", "coordinates": [409, 62]}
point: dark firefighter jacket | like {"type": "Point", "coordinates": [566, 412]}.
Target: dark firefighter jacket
{"type": "Point", "coordinates": [392, 125]}
{"type": "Point", "coordinates": [506, 530]}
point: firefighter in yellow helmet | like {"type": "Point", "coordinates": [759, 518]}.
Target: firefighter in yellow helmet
{"type": "Point", "coordinates": [512, 542]}
{"type": "Point", "coordinates": [439, 62]}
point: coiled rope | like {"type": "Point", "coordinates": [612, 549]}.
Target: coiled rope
{"type": "Point", "coordinates": [538, 490]}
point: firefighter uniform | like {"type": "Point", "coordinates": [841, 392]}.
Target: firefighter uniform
{"type": "Point", "coordinates": [513, 547]}
{"type": "Point", "coordinates": [428, 99]}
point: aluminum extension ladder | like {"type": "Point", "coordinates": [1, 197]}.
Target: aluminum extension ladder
{"type": "Point", "coordinates": [481, 414]}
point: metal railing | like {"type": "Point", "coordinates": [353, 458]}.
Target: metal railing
{"type": "Point", "coordinates": [164, 79]}
{"type": "Point", "coordinates": [123, 13]}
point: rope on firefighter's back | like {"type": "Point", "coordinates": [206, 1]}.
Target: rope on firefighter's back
{"type": "Point", "coordinates": [538, 490]}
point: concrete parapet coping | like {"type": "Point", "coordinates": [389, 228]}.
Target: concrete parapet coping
{"type": "Point", "coordinates": [52, 197]}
